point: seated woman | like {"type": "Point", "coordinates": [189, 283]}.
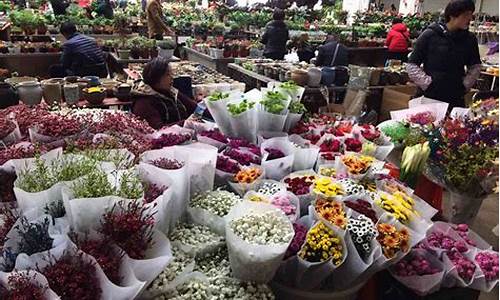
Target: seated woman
{"type": "Point", "coordinates": [152, 97]}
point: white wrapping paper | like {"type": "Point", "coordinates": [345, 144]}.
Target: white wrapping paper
{"type": "Point", "coordinates": [278, 168]}
{"type": "Point", "coordinates": [251, 262]}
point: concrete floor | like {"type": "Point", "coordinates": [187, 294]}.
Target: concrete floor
{"type": "Point", "coordinates": [486, 220]}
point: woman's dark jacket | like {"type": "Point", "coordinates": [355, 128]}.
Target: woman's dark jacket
{"type": "Point", "coordinates": [444, 55]}
{"type": "Point", "coordinates": [275, 37]}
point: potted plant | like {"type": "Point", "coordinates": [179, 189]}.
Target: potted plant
{"type": "Point", "coordinates": [3, 48]}
{"type": "Point", "coordinates": [25, 19]}
{"type": "Point", "coordinates": [256, 49]}
{"type": "Point", "coordinates": [123, 49]}
{"type": "Point", "coordinates": [108, 26]}
{"type": "Point", "coordinates": [41, 27]}
{"type": "Point", "coordinates": [121, 23]}
{"type": "Point", "coordinates": [218, 29]}
{"type": "Point", "coordinates": [55, 46]}
{"type": "Point", "coordinates": [43, 48]}
{"type": "Point", "coordinates": [98, 25]}
{"type": "Point", "coordinates": [167, 48]}
{"type": "Point", "coordinates": [153, 48]}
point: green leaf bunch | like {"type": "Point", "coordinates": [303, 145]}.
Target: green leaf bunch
{"type": "Point", "coordinates": [243, 106]}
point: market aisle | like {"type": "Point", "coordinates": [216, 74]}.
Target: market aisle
{"type": "Point", "coordinates": [485, 221]}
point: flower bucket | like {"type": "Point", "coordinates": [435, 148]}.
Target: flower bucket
{"type": "Point", "coordinates": [461, 208]}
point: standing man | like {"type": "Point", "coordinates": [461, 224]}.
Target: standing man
{"type": "Point", "coordinates": [444, 50]}
{"type": "Point", "coordinates": [156, 24]}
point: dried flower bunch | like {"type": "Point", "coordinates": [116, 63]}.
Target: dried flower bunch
{"type": "Point", "coordinates": [57, 125]}
{"type": "Point", "coordinates": [298, 240]}
{"type": "Point", "coordinates": [488, 262]}
{"type": "Point", "coordinates": [73, 277]}
{"type": "Point", "coordinates": [167, 164]}
{"type": "Point", "coordinates": [248, 175]}
{"type": "Point", "coordinates": [262, 228]}
{"type": "Point", "coordinates": [363, 207]}
{"type": "Point", "coordinates": [218, 202]}
{"type": "Point", "coordinates": [8, 218]}
{"type": "Point", "coordinates": [392, 240]}
{"type": "Point", "coordinates": [153, 191]}
{"type": "Point", "coordinates": [332, 211]}
{"type": "Point", "coordinates": [16, 152]}
{"type": "Point", "coordinates": [130, 226]}
{"type": "Point", "coordinates": [274, 153]}
{"type": "Point", "coordinates": [197, 236]}
{"type": "Point", "coordinates": [300, 185]}
{"type": "Point", "coordinates": [106, 256]}
{"type": "Point", "coordinates": [241, 157]}
{"type": "Point", "coordinates": [33, 237]}
{"type": "Point", "coordinates": [327, 187]}
{"type": "Point", "coordinates": [21, 286]}
{"type": "Point", "coordinates": [464, 266]}
{"type": "Point", "coordinates": [178, 264]}
{"type": "Point", "coordinates": [170, 139]}
{"type": "Point", "coordinates": [215, 134]}
{"type": "Point", "coordinates": [322, 244]}
{"type": "Point", "coordinates": [6, 127]}
{"type": "Point", "coordinates": [214, 263]}
{"type": "Point", "coordinates": [362, 231]}
{"type": "Point", "coordinates": [227, 165]}
{"type": "Point", "coordinates": [415, 265]}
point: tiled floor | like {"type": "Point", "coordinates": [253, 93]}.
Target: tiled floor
{"type": "Point", "coordinates": [483, 225]}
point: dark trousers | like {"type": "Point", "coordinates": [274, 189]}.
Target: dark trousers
{"type": "Point", "coordinates": [158, 37]}
{"type": "Point", "coordinates": [275, 55]}
{"type": "Point", "coordinates": [58, 71]}
{"type": "Point", "coordinates": [402, 56]}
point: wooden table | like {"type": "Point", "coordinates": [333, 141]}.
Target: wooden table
{"type": "Point", "coordinates": [117, 65]}
{"type": "Point", "coordinates": [30, 64]}
{"type": "Point", "coordinates": [218, 64]}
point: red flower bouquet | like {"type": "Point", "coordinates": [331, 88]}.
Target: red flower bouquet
{"type": "Point", "coordinates": [353, 145]}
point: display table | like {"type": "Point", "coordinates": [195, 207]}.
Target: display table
{"type": "Point", "coordinates": [218, 64]}
{"type": "Point", "coordinates": [30, 64]}
{"type": "Point", "coordinates": [117, 65]}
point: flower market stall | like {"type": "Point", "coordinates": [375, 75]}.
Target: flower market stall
{"type": "Point", "coordinates": [266, 203]}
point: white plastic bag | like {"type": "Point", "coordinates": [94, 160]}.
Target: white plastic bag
{"type": "Point", "coordinates": [265, 135]}
{"type": "Point", "coordinates": [176, 180]}
{"type": "Point", "coordinates": [244, 125]}
{"type": "Point", "coordinates": [305, 153]}
{"type": "Point", "coordinates": [251, 262]}
{"type": "Point", "coordinates": [271, 122]}
{"type": "Point", "coordinates": [202, 160]}
{"type": "Point", "coordinates": [291, 120]}
{"type": "Point", "coordinates": [278, 168]}
{"type": "Point", "coordinates": [219, 112]}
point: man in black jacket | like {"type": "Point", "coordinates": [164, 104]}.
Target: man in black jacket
{"type": "Point", "coordinates": [445, 49]}
{"type": "Point", "coordinates": [332, 53]}
{"type": "Point", "coordinates": [276, 36]}
{"type": "Point", "coordinates": [81, 55]}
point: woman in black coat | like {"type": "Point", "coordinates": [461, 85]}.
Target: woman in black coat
{"type": "Point", "coordinates": [276, 36]}
{"type": "Point", "coordinates": [444, 50]}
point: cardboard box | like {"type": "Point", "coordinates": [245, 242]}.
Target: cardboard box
{"type": "Point", "coordinates": [352, 105]}
{"type": "Point", "coordinates": [395, 98]}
